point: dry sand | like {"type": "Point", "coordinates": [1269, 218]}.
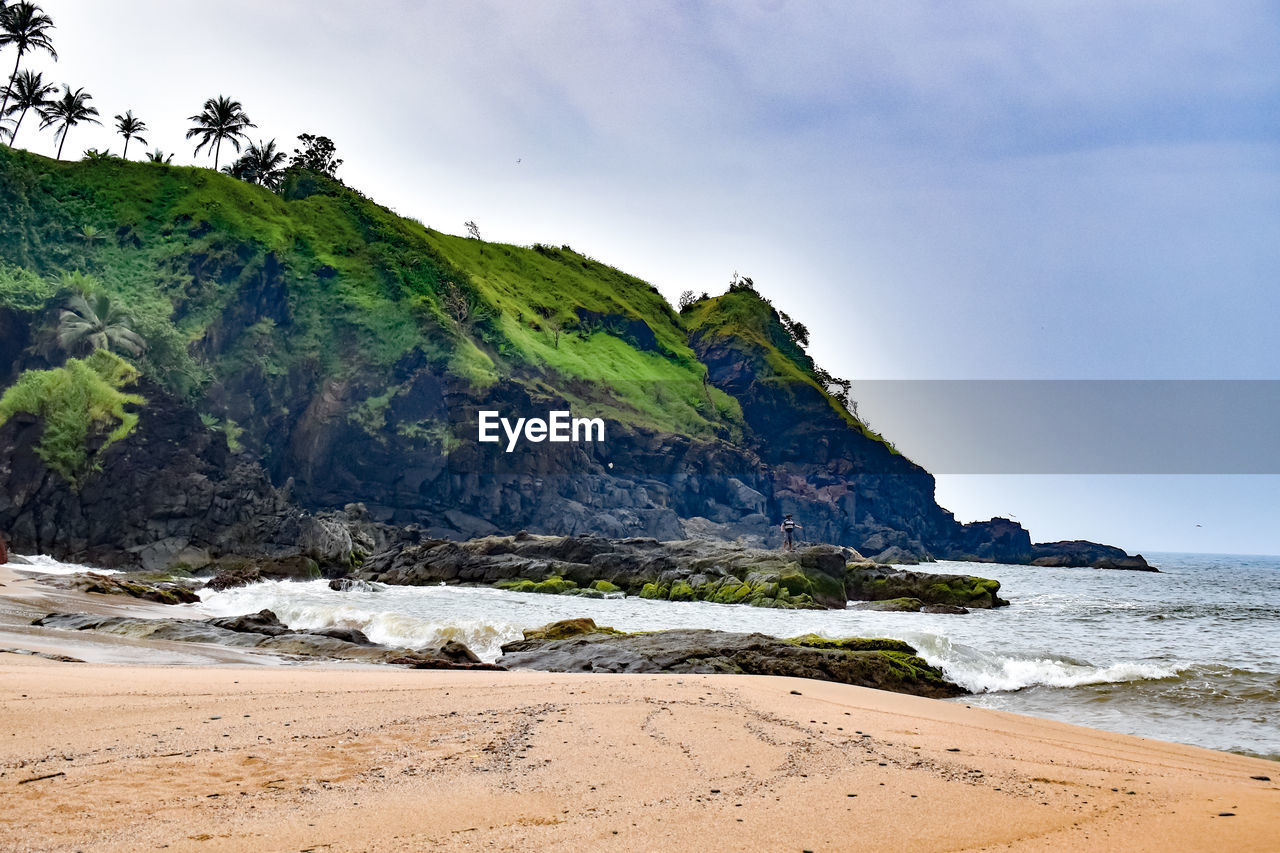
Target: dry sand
{"type": "Point", "coordinates": [101, 756]}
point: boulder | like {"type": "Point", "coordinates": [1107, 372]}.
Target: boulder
{"type": "Point", "coordinates": [882, 664]}
{"type": "Point", "coordinates": [263, 622]}
{"type": "Point", "coordinates": [868, 581]}
{"type": "Point", "coordinates": [241, 572]}
{"type": "Point", "coordinates": [160, 592]}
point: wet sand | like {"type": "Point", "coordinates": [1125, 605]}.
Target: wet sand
{"type": "Point", "coordinates": [230, 756]}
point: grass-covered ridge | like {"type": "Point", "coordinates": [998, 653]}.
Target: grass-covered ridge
{"type": "Point", "coordinates": [228, 279]}
{"type": "Point", "coordinates": [76, 401]}
{"type": "Point", "coordinates": [748, 323]}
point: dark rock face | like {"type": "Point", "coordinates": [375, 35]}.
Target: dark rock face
{"type": "Point", "coordinates": [169, 491]}
{"type": "Point", "coordinates": [863, 662]}
{"type": "Point", "coordinates": [1088, 555]}
{"type": "Point", "coordinates": [263, 630]}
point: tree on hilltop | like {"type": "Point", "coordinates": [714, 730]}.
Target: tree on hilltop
{"type": "Point", "coordinates": [27, 91]}
{"type": "Point", "coordinates": [25, 26]}
{"type": "Point", "coordinates": [68, 111]}
{"type": "Point", "coordinates": [130, 128]}
{"type": "Point", "coordinates": [317, 154]}
{"type": "Point", "coordinates": [260, 164]}
{"type": "Point", "coordinates": [222, 118]}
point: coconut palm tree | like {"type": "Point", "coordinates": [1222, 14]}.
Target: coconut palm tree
{"type": "Point", "coordinates": [159, 156]}
{"type": "Point", "coordinates": [69, 110]}
{"type": "Point", "coordinates": [222, 118]}
{"type": "Point", "coordinates": [91, 322]}
{"type": "Point", "coordinates": [26, 26]}
{"type": "Point", "coordinates": [130, 128]}
{"type": "Point", "coordinates": [27, 90]}
{"type": "Point", "coordinates": [260, 164]}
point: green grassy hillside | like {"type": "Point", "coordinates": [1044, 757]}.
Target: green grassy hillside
{"type": "Point", "coordinates": [226, 279]}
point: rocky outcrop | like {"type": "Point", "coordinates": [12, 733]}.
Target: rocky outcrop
{"type": "Point", "coordinates": [161, 592]}
{"type": "Point", "coordinates": [261, 327]}
{"type": "Point", "coordinates": [910, 590]}
{"type": "Point", "coordinates": [818, 576]}
{"type": "Point", "coordinates": [1080, 554]}
{"type": "Point", "coordinates": [169, 494]}
{"type": "Point", "coordinates": [234, 571]}
{"type": "Point", "coordinates": [882, 664]}
{"type": "Point", "coordinates": [688, 570]}
{"type": "Point", "coordinates": [264, 631]}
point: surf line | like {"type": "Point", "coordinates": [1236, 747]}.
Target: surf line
{"type": "Point", "coordinates": [558, 426]}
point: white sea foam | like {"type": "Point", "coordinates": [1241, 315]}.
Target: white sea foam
{"type": "Point", "coordinates": [45, 565]}
{"type": "Point", "coordinates": [985, 672]}
{"type": "Point", "coordinates": [385, 616]}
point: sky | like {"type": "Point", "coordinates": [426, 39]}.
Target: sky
{"type": "Point", "coordinates": [940, 191]}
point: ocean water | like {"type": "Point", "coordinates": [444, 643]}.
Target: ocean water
{"type": "Point", "coordinates": [1191, 654]}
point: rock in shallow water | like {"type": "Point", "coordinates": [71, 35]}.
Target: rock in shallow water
{"type": "Point", "coordinates": [579, 646]}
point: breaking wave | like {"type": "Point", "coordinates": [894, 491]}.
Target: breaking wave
{"type": "Point", "coordinates": [986, 672]}
{"type": "Point", "coordinates": [45, 565]}
{"type": "Point", "coordinates": [312, 605]}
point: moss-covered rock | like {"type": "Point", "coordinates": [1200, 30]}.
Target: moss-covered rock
{"type": "Point", "coordinates": [869, 582]}
{"type": "Point", "coordinates": [854, 644]}
{"type": "Point", "coordinates": [157, 591]}
{"type": "Point", "coordinates": [883, 664]}
{"type": "Point", "coordinates": [681, 591]}
{"type": "Point", "coordinates": [892, 605]}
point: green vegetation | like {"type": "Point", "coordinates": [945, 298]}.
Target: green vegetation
{"type": "Point", "coordinates": [78, 402]}
{"type": "Point", "coordinates": [344, 290]}
{"type": "Point", "coordinates": [749, 324]}
{"type": "Point", "coordinates": [853, 644]}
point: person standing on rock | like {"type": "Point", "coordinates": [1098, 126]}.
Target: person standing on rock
{"type": "Point", "coordinates": [788, 525]}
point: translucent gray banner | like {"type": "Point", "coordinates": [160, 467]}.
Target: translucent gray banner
{"type": "Point", "coordinates": [1078, 426]}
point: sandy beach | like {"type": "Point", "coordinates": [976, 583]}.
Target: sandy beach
{"type": "Point", "coordinates": [233, 756]}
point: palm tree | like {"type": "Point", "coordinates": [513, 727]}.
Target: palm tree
{"type": "Point", "coordinates": [159, 156]}
{"type": "Point", "coordinates": [68, 111]}
{"type": "Point", "coordinates": [260, 164]}
{"type": "Point", "coordinates": [90, 322]}
{"type": "Point", "coordinates": [221, 119]}
{"type": "Point", "coordinates": [90, 235]}
{"type": "Point", "coordinates": [130, 128]}
{"type": "Point", "coordinates": [27, 90]}
{"type": "Point", "coordinates": [26, 26]}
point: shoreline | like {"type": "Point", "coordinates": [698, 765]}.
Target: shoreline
{"type": "Point", "coordinates": [141, 748]}
{"type": "Point", "coordinates": [219, 758]}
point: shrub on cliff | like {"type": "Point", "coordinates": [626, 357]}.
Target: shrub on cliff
{"type": "Point", "coordinates": [78, 402]}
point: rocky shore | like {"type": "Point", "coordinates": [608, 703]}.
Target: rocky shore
{"type": "Point", "coordinates": [819, 576]}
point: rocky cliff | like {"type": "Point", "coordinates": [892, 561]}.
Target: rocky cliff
{"type": "Point", "coordinates": [309, 349]}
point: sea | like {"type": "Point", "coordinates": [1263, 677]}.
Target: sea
{"type": "Point", "coordinates": [1191, 654]}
